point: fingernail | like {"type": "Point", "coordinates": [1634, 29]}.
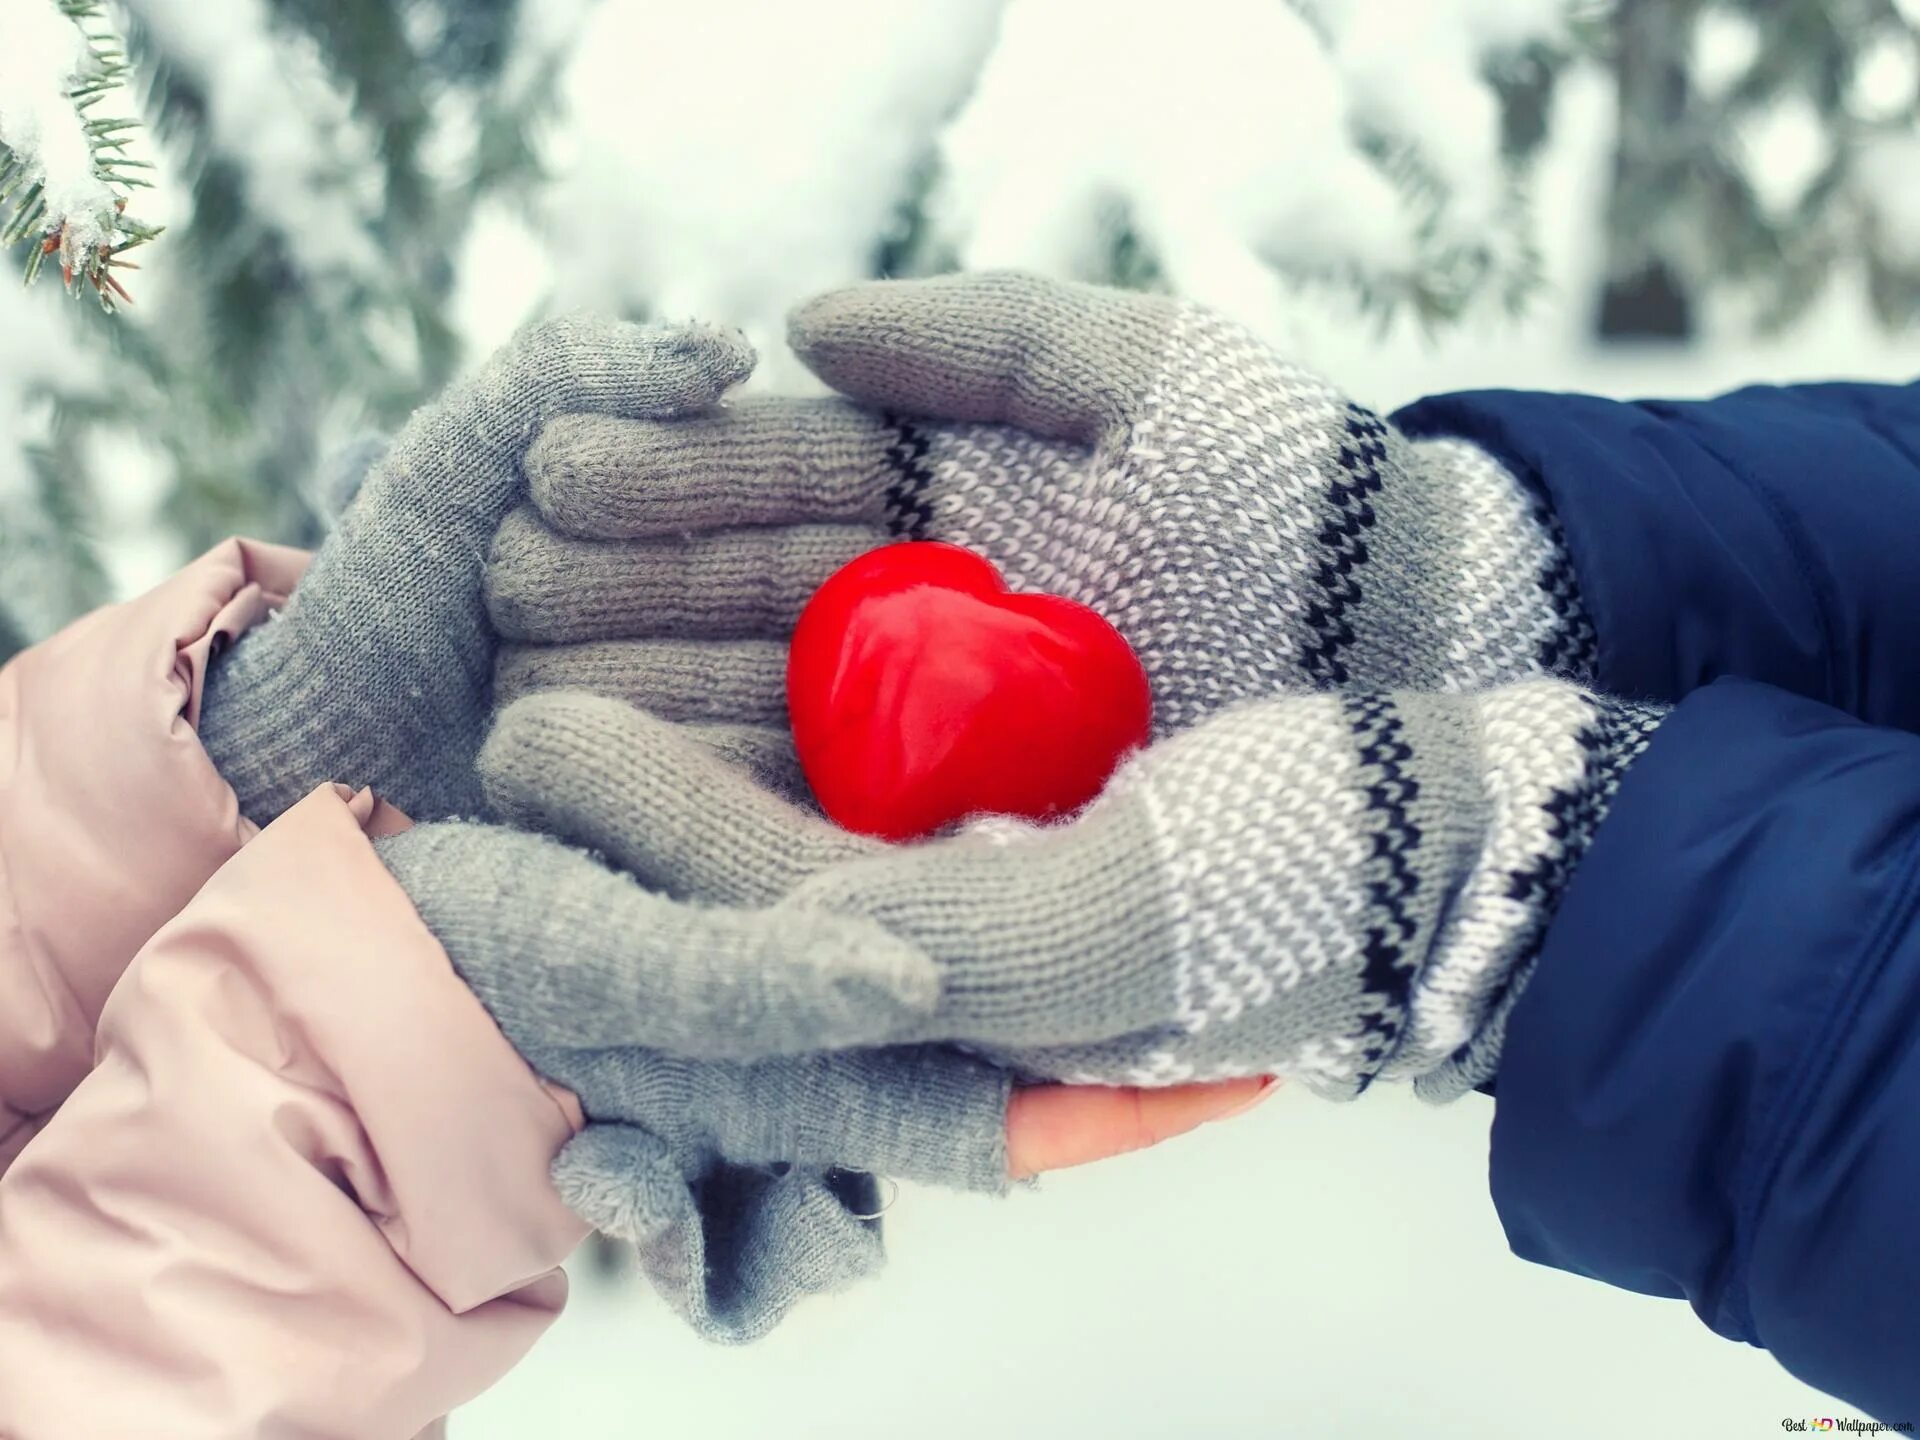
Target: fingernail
{"type": "Point", "coordinates": [1268, 1084]}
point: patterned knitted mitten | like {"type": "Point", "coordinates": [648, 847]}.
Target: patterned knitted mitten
{"type": "Point", "coordinates": [1340, 886]}
{"type": "Point", "coordinates": [1248, 528]}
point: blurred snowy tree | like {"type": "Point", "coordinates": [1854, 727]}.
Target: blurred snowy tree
{"type": "Point", "coordinates": [333, 151]}
{"type": "Point", "coordinates": [1766, 149]}
{"type": "Point", "coordinates": [329, 168]}
{"type": "Point", "coordinates": [65, 180]}
{"type": "Point", "coordinates": [1210, 189]}
{"type": "Point", "coordinates": [327, 156]}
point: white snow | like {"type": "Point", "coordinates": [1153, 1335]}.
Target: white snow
{"type": "Point", "coordinates": [723, 157]}
{"type": "Point", "coordinates": [1887, 174]}
{"type": "Point", "coordinates": [1506, 24]}
{"type": "Point", "coordinates": [42, 54]}
{"type": "Point", "coordinates": [1228, 138]}
{"type": "Point", "coordinates": [505, 273]}
{"type": "Point", "coordinates": [731, 158]}
{"type": "Point", "coordinates": [1306, 1270]}
{"type": "Point", "coordinates": [1224, 136]}
{"type": "Point", "coordinates": [1784, 147]}
{"type": "Point", "coordinates": [1886, 82]}
{"type": "Point", "coordinates": [1725, 45]}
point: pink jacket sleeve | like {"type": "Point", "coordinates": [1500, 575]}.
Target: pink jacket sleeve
{"type": "Point", "coordinates": [303, 1192]}
{"type": "Point", "coordinates": [111, 815]}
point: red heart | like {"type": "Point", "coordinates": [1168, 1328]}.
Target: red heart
{"type": "Point", "coordinates": [923, 691]}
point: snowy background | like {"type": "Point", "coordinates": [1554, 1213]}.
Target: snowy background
{"type": "Point", "coordinates": [1309, 1269]}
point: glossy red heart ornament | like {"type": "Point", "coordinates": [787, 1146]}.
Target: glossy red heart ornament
{"type": "Point", "coordinates": [922, 691]}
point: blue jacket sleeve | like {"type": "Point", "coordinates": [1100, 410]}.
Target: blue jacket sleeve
{"type": "Point", "coordinates": [1770, 533]}
{"type": "Point", "coordinates": [1711, 1087]}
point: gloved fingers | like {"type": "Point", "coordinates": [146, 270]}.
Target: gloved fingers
{"type": "Point", "coordinates": [550, 587]}
{"type": "Point", "coordinates": [1062, 360]}
{"type": "Point", "coordinates": [922, 1113]}
{"type": "Point", "coordinates": [593, 364]}
{"type": "Point", "coordinates": [1043, 936]}
{"type": "Point", "coordinates": [652, 798]}
{"type": "Point", "coordinates": [761, 461]}
{"type": "Point", "coordinates": [564, 951]}
{"type": "Point", "coordinates": [731, 1248]}
{"type": "Point", "coordinates": [772, 1240]}
{"type": "Point", "coordinates": [721, 681]}
{"type": "Point", "coordinates": [576, 364]}
{"type": "Point", "coordinates": [621, 1180]}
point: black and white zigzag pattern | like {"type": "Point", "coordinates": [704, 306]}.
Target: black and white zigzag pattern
{"type": "Point", "coordinates": [909, 513]}
{"type": "Point", "coordinates": [1615, 735]}
{"type": "Point", "coordinates": [1571, 649]}
{"type": "Point", "coordinates": [1619, 732]}
{"type": "Point", "coordinates": [1389, 960]}
{"type": "Point", "coordinates": [1362, 458]}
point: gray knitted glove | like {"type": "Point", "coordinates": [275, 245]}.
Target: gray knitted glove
{"type": "Point", "coordinates": [736, 1181]}
{"type": "Point", "coordinates": [379, 670]}
{"type": "Point", "coordinates": [1248, 529]}
{"type": "Point", "coordinates": [379, 673]}
{"type": "Point", "coordinates": [1338, 887]}
{"type": "Point", "coordinates": [733, 1248]}
{"type": "Point", "coordinates": [729, 1179]}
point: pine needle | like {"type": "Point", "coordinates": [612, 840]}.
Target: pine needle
{"type": "Point", "coordinates": [23, 211]}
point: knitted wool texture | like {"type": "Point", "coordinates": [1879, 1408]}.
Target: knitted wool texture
{"type": "Point", "coordinates": [1252, 532]}
{"type": "Point", "coordinates": [1338, 887]}
{"type": "Point", "coordinates": [736, 1181]}
{"type": "Point", "coordinates": [737, 1247]}
{"type": "Point", "coordinates": [379, 670]}
{"type": "Point", "coordinates": [379, 673]}
{"type": "Point", "coordinates": [1246, 527]}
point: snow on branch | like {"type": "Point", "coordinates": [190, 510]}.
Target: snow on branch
{"type": "Point", "coordinates": [1253, 149]}
{"type": "Point", "coordinates": [64, 173]}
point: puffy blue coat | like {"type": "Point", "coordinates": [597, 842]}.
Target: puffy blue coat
{"type": "Point", "coordinates": [1711, 1088]}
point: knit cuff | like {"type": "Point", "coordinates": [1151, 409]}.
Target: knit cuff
{"type": "Point", "coordinates": [1618, 734]}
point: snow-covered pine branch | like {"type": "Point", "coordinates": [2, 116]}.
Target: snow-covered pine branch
{"type": "Point", "coordinates": [266, 101]}
{"type": "Point", "coordinates": [1252, 149]}
{"type": "Point", "coordinates": [64, 171]}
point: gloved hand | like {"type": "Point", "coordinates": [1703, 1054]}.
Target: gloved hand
{"type": "Point", "coordinates": [742, 1186]}
{"type": "Point", "coordinates": [1246, 527]}
{"type": "Point", "coordinates": [379, 671]}
{"type": "Point", "coordinates": [737, 1181]}
{"type": "Point", "coordinates": [734, 1180]}
{"type": "Point", "coordinates": [1339, 886]}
